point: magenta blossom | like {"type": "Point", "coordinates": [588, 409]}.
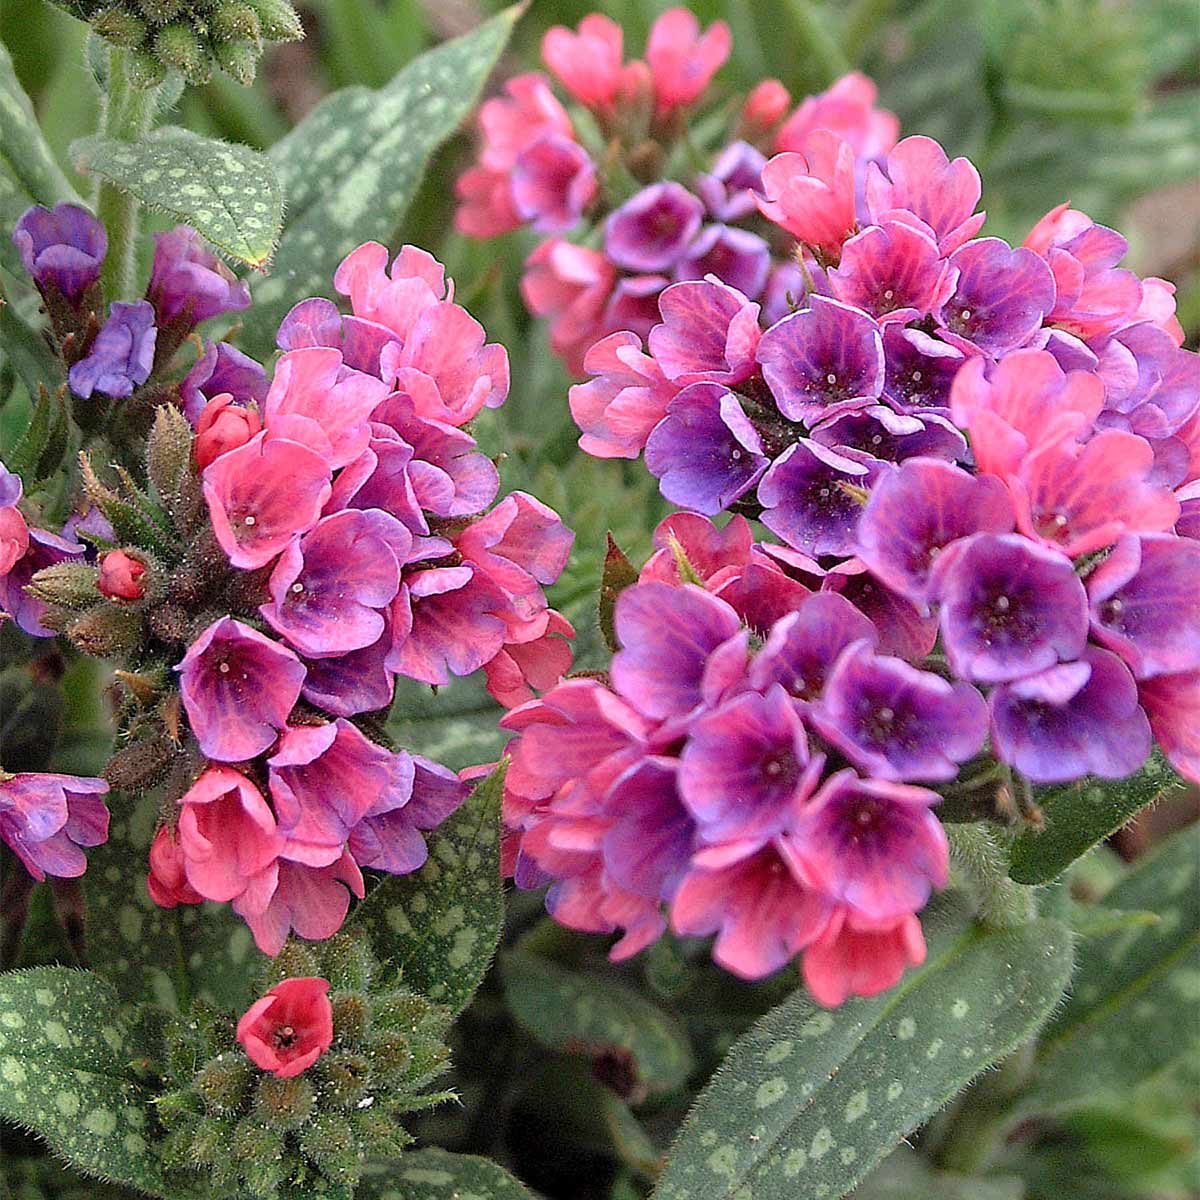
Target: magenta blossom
{"type": "Point", "coordinates": [62, 248]}
{"type": "Point", "coordinates": [652, 231]}
{"type": "Point", "coordinates": [709, 334]}
{"type": "Point", "coordinates": [682, 60]}
{"type": "Point", "coordinates": [47, 820]}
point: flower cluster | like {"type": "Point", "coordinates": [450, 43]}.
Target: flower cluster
{"type": "Point", "coordinates": [903, 311]}
{"type": "Point", "coordinates": [315, 1078]}
{"type": "Point", "coordinates": [615, 164]}
{"type": "Point", "coordinates": [757, 767]}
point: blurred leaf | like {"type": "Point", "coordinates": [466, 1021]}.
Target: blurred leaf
{"type": "Point", "coordinates": [808, 1101]}
{"type": "Point", "coordinates": [1122, 1022]}
{"type": "Point", "coordinates": [28, 172]}
{"type": "Point", "coordinates": [65, 1062]}
{"type": "Point", "coordinates": [456, 724]}
{"type": "Point", "coordinates": [1095, 920]}
{"type": "Point", "coordinates": [441, 924]}
{"type": "Point", "coordinates": [39, 453]}
{"type": "Point", "coordinates": [30, 354]}
{"type": "Point", "coordinates": [352, 166]}
{"type": "Point", "coordinates": [438, 1175]}
{"type": "Point", "coordinates": [904, 1176]}
{"type": "Point", "coordinates": [1081, 814]}
{"type": "Point", "coordinates": [228, 193]}
{"type": "Point", "coordinates": [586, 1012]}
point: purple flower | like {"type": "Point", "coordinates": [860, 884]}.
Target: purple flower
{"type": "Point", "coordinates": [552, 182]}
{"type": "Point", "coordinates": [652, 231]}
{"type": "Point", "coordinates": [896, 722]}
{"type": "Point", "coordinates": [222, 368]}
{"type": "Point", "coordinates": [1145, 603]}
{"type": "Point", "coordinates": [318, 322]}
{"type": "Point", "coordinates": [785, 290]}
{"type": "Point", "coordinates": [450, 476]}
{"type": "Point", "coordinates": [825, 359]}
{"type": "Point", "coordinates": [809, 496]}
{"type": "Point", "coordinates": [746, 768]}
{"type": "Point", "coordinates": [62, 248]}
{"type": "Point", "coordinates": [904, 629]}
{"type": "Point", "coordinates": [666, 635]}
{"type": "Point", "coordinates": [633, 305]}
{"type": "Point", "coordinates": [46, 818]}
{"type": "Point", "coordinates": [122, 356]}
{"type": "Point", "coordinates": [802, 647]}
{"type": "Point", "coordinates": [914, 513]}
{"type": "Point", "coordinates": [238, 688]}
{"type": "Point", "coordinates": [389, 837]}
{"type": "Point", "coordinates": [1150, 383]}
{"type": "Point", "coordinates": [188, 283]}
{"type": "Point", "coordinates": [324, 779]}
{"type": "Point", "coordinates": [883, 433]}
{"type": "Point", "coordinates": [893, 272]}
{"type": "Point", "coordinates": [1010, 607]}
{"type": "Point", "coordinates": [728, 189]}
{"type": "Point", "coordinates": [1000, 298]}
{"type": "Point", "coordinates": [871, 844]}
{"type": "Point", "coordinates": [43, 549]}
{"type": "Point", "coordinates": [705, 452]}
{"type": "Point", "coordinates": [920, 370]}
{"type": "Point", "coordinates": [735, 256]}
{"type": "Point", "coordinates": [1079, 718]}
{"type": "Point", "coordinates": [649, 847]}
{"type": "Point", "coordinates": [709, 334]}
{"type": "Point", "coordinates": [352, 683]}
{"type": "Point", "coordinates": [329, 587]}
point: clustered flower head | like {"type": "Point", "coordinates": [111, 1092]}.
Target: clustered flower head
{"type": "Point", "coordinates": [316, 1075]}
{"type": "Point", "coordinates": [304, 541]}
{"type": "Point", "coordinates": [615, 170]}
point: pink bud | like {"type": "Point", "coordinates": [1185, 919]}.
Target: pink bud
{"type": "Point", "coordinates": [223, 426]}
{"type": "Point", "coordinates": [766, 106]}
{"type": "Point", "coordinates": [167, 883]}
{"type": "Point", "coordinates": [121, 576]}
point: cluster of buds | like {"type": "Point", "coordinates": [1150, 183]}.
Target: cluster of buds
{"type": "Point", "coordinates": [290, 548]}
{"type": "Point", "coordinates": [315, 1076]}
{"type": "Point", "coordinates": [618, 169]}
{"type": "Point", "coordinates": [191, 37]}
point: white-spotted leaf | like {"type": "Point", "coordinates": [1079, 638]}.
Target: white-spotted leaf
{"type": "Point", "coordinates": [439, 1175]}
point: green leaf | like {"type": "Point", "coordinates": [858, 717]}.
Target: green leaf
{"type": "Point", "coordinates": [1125, 1019]}
{"type": "Point", "coordinates": [905, 1176]}
{"type": "Point", "coordinates": [351, 168]}
{"type": "Point", "coordinates": [1081, 814]}
{"type": "Point", "coordinates": [618, 574]}
{"type": "Point", "coordinates": [808, 1100]}
{"type": "Point", "coordinates": [582, 1011]}
{"type": "Point", "coordinates": [66, 1073]}
{"type": "Point", "coordinates": [167, 955]}
{"type": "Point", "coordinates": [441, 924]}
{"type": "Point", "coordinates": [40, 451]}
{"type": "Point", "coordinates": [457, 724]}
{"type": "Point", "coordinates": [440, 1175]}
{"type": "Point", "coordinates": [228, 193]}
{"type": "Point", "coordinates": [28, 172]}
{"type": "Point", "coordinates": [27, 349]}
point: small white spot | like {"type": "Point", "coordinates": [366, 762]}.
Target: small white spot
{"type": "Point", "coordinates": [906, 1029]}
{"type": "Point", "coordinates": [297, 587]}
{"type": "Point", "coordinates": [224, 668]}
{"type": "Point", "coordinates": [248, 521]}
{"type": "Point", "coordinates": [966, 314]}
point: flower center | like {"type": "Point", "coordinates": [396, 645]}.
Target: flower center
{"type": "Point", "coordinates": [285, 1037]}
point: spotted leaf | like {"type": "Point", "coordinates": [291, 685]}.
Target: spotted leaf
{"type": "Point", "coordinates": [809, 1100]}
{"type": "Point", "coordinates": [229, 193]}
{"type": "Point", "coordinates": [440, 1175]}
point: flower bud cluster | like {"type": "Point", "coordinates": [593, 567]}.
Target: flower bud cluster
{"type": "Point", "coordinates": [317, 1075]}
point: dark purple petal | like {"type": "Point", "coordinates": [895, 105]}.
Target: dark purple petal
{"type": "Point", "coordinates": [652, 231]}
{"type": "Point", "coordinates": [121, 357]}
{"type": "Point", "coordinates": [62, 248]}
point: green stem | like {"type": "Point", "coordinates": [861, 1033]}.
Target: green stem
{"type": "Point", "coordinates": [811, 31]}
{"type": "Point", "coordinates": [1003, 904]}
{"type": "Point", "coordinates": [128, 113]}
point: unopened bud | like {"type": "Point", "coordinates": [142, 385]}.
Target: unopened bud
{"type": "Point", "coordinates": [211, 1142]}
{"type": "Point", "coordinates": [765, 107]}
{"type": "Point", "coordinates": [278, 20]}
{"type": "Point", "coordinates": [234, 21]}
{"type": "Point", "coordinates": [401, 1011]}
{"type": "Point", "coordinates": [344, 1078]}
{"type": "Point", "coordinates": [223, 426]}
{"type": "Point", "coordinates": [224, 1082]}
{"type": "Point", "coordinates": [295, 960]}
{"type": "Point", "coordinates": [328, 1135]}
{"type": "Point", "coordinates": [349, 963]}
{"type": "Point", "coordinates": [177, 46]}
{"type": "Point", "coordinates": [168, 451]}
{"type": "Point", "coordinates": [121, 27]}
{"type": "Point", "coordinates": [159, 11]}
{"type": "Point", "coordinates": [284, 1103]}
{"type": "Point", "coordinates": [106, 632]}
{"type": "Point", "coordinates": [377, 1128]}
{"type": "Point", "coordinates": [139, 765]}
{"type": "Point", "coordinates": [68, 585]}
{"type": "Point", "coordinates": [122, 577]}
{"type": "Point", "coordinates": [169, 623]}
{"type": "Point", "coordinates": [239, 60]}
{"type": "Point", "coordinates": [350, 1016]}
{"type": "Point", "coordinates": [255, 1142]}
{"type": "Point", "coordinates": [144, 70]}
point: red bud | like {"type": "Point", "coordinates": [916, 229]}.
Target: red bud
{"type": "Point", "coordinates": [223, 426]}
{"type": "Point", "coordinates": [121, 576]}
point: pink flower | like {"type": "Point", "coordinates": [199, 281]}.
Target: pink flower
{"type": "Point", "coordinates": [485, 203]}
{"type": "Point", "coordinates": [764, 107]}
{"type": "Point", "coordinates": [811, 195]}
{"type": "Point", "coordinates": [46, 819]}
{"type": "Point", "coordinates": [588, 63]}
{"type": "Point", "coordinates": [238, 688]}
{"type": "Point", "coordinates": [553, 182]}
{"type": "Point", "coordinates": [289, 1028]}
{"type": "Point", "coordinates": [227, 836]}
{"type": "Point", "coordinates": [313, 901]}
{"type": "Point", "coordinates": [682, 61]}
{"type": "Point", "coordinates": [514, 122]}
{"type": "Point", "coordinates": [570, 285]}
{"type": "Point", "coordinates": [629, 395]}
{"type": "Point", "coordinates": [14, 532]}
{"type": "Point", "coordinates": [920, 180]}
{"type": "Point", "coordinates": [1172, 702]}
{"type": "Point", "coordinates": [848, 110]}
{"type": "Point", "coordinates": [121, 576]}
{"type": "Point", "coordinates": [221, 427]}
{"type": "Point", "coordinates": [858, 958]}
{"type": "Point", "coordinates": [167, 882]}
{"type": "Point", "coordinates": [709, 334]}
{"type": "Point", "coordinates": [520, 667]}
{"type": "Point", "coordinates": [262, 494]}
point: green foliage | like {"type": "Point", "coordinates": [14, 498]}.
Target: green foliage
{"type": "Point", "coordinates": [39, 453]}
{"type": "Point", "coordinates": [28, 350]}
{"type": "Point", "coordinates": [28, 172]}
{"type": "Point", "coordinates": [454, 725]}
{"type": "Point", "coordinates": [439, 1175]}
{"type": "Point", "coordinates": [68, 1066]}
{"type": "Point", "coordinates": [808, 1100]}
{"type": "Point", "coordinates": [1078, 815]}
{"type": "Point", "coordinates": [228, 193]}
{"type": "Point", "coordinates": [351, 168]}
{"type": "Point", "coordinates": [582, 1011]}
{"type": "Point", "coordinates": [1122, 1022]}
{"type": "Point", "coordinates": [618, 574]}
{"type": "Point", "coordinates": [440, 925]}
{"type": "Point", "coordinates": [904, 1176]}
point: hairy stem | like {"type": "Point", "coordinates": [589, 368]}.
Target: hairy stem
{"type": "Point", "coordinates": [976, 852]}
